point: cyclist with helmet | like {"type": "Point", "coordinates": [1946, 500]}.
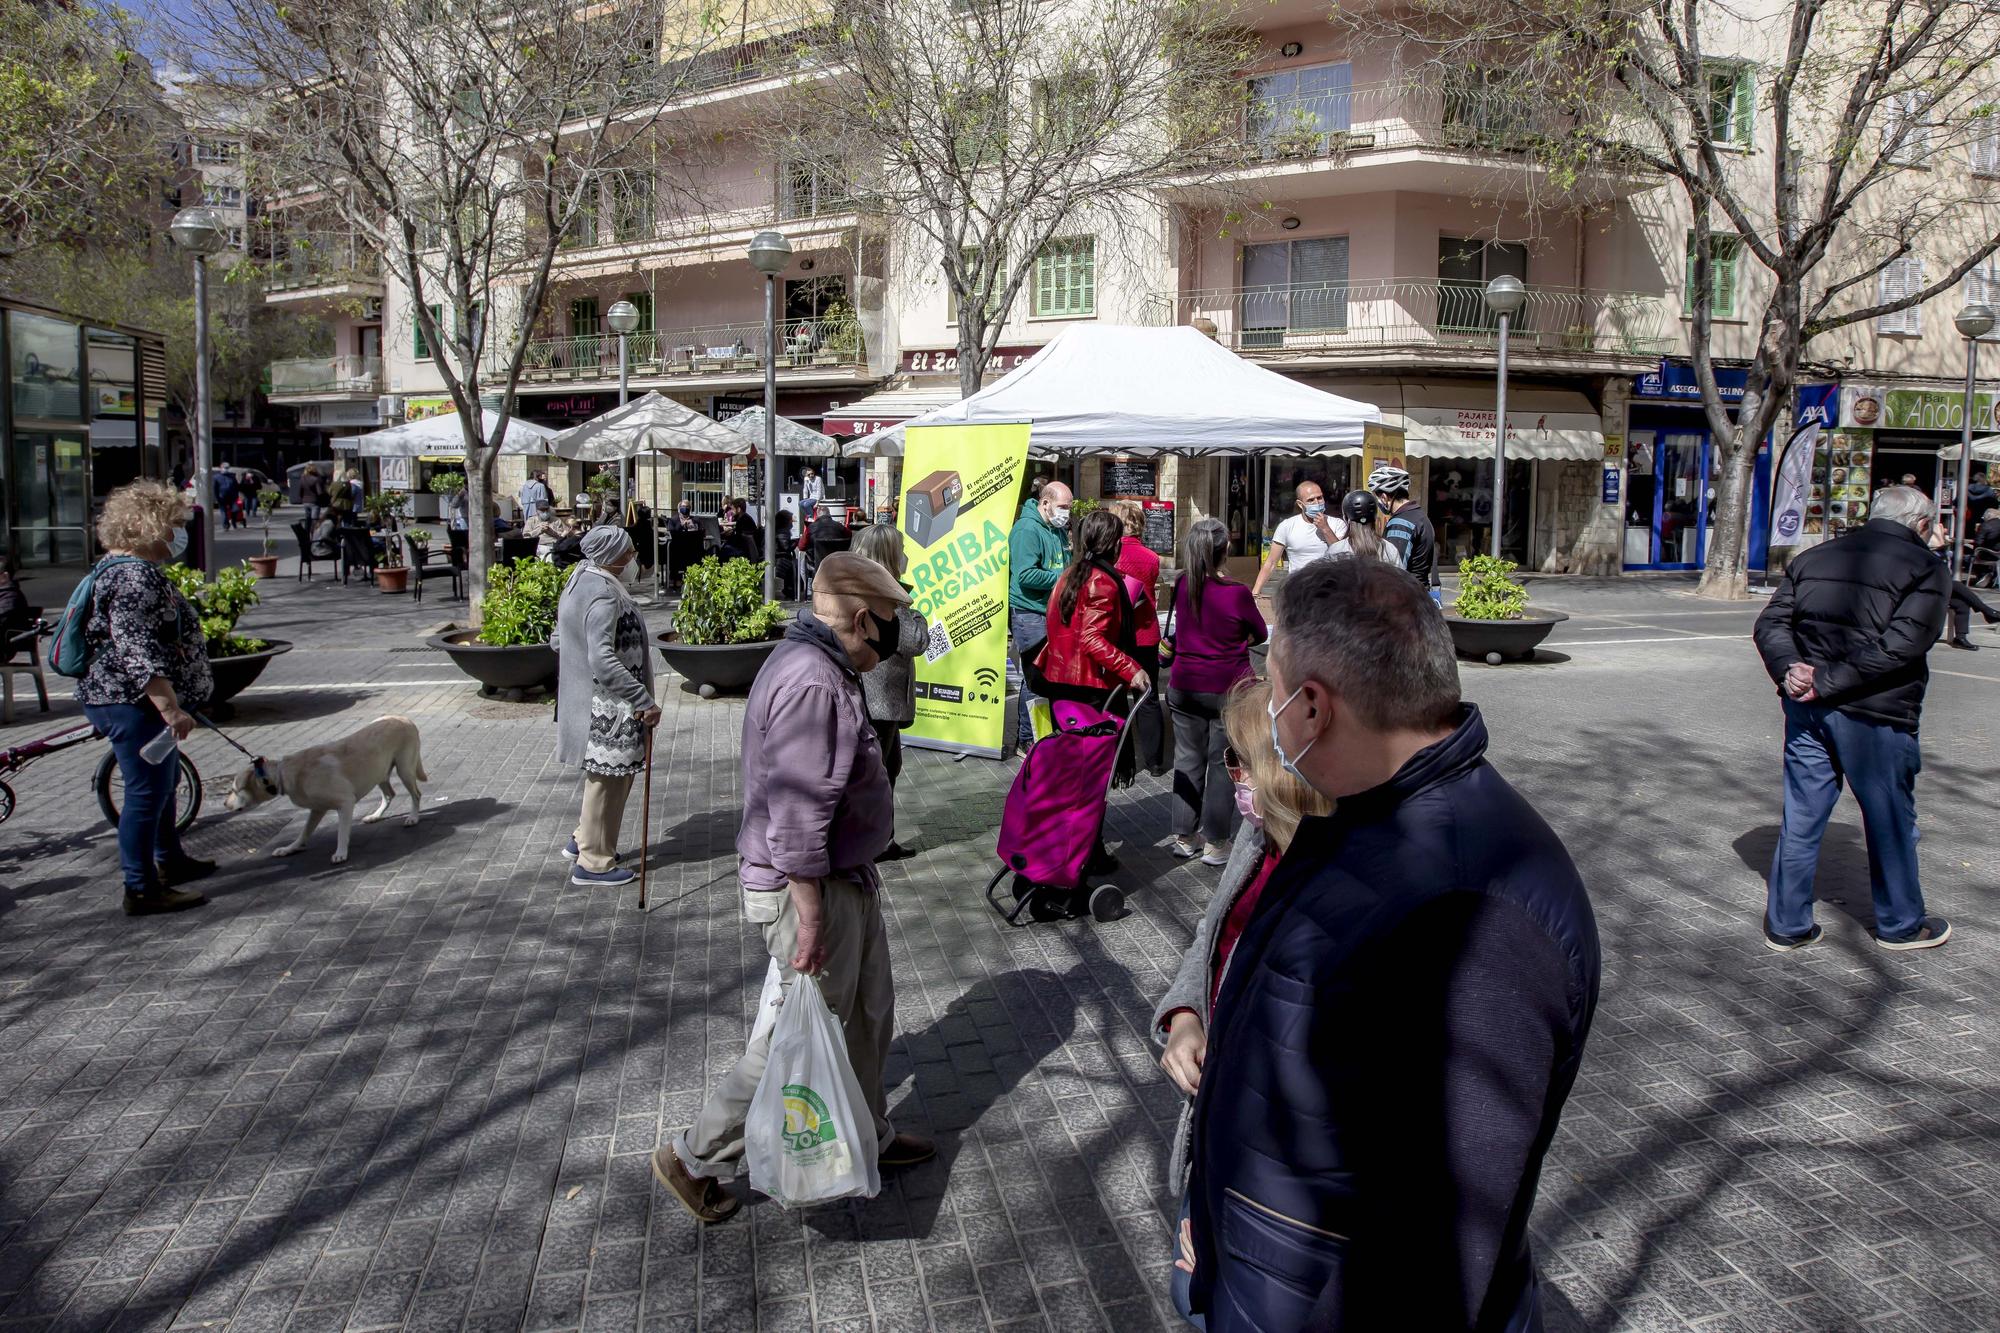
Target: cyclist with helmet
{"type": "Point", "coordinates": [1409, 529]}
{"type": "Point", "coordinates": [1363, 541]}
{"type": "Point", "coordinates": [1305, 537]}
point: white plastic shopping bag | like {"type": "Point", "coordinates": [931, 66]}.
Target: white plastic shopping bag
{"type": "Point", "coordinates": [772, 996]}
{"type": "Point", "coordinates": [809, 1136]}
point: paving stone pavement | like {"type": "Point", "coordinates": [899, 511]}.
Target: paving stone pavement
{"type": "Point", "coordinates": [419, 1090]}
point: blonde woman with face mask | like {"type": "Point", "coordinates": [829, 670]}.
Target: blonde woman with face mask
{"type": "Point", "coordinates": [1272, 803]}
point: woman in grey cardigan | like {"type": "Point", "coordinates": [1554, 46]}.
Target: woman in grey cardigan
{"type": "Point", "coordinates": [605, 711]}
{"type": "Point", "coordinates": [1272, 803]}
{"type": "Point", "coordinates": [891, 687]}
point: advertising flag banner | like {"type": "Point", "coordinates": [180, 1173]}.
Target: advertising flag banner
{"type": "Point", "coordinates": [1793, 485]}
{"type": "Point", "coordinates": [960, 486]}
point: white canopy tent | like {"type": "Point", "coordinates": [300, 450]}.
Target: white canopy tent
{"type": "Point", "coordinates": [1146, 391]}
{"type": "Point", "coordinates": [441, 437]}
{"type": "Point", "coordinates": [794, 440]}
{"type": "Point", "coordinates": [1984, 450]}
{"type": "Point", "coordinates": [650, 423]}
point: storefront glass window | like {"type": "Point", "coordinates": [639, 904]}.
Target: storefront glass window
{"type": "Point", "coordinates": [1459, 501]}
{"type": "Point", "coordinates": [52, 496]}
{"type": "Point", "coordinates": [44, 362]}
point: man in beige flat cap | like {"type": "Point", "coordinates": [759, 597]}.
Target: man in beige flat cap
{"type": "Point", "coordinates": [817, 811]}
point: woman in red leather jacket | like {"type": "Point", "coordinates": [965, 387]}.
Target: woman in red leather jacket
{"type": "Point", "coordinates": [1091, 620]}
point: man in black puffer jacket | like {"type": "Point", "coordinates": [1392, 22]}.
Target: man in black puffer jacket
{"type": "Point", "coordinates": [1403, 1016]}
{"type": "Point", "coordinates": [1847, 637]}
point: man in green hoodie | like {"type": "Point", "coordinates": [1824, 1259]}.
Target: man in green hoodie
{"type": "Point", "coordinates": [1037, 553]}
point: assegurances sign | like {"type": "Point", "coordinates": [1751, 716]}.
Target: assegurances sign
{"type": "Point", "coordinates": [957, 510]}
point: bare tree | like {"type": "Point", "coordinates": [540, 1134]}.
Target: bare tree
{"type": "Point", "coordinates": [82, 131]}
{"type": "Point", "coordinates": [982, 130]}
{"type": "Point", "coordinates": [1802, 133]}
{"type": "Point", "coordinates": [464, 145]}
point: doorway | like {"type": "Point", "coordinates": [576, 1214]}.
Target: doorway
{"type": "Point", "coordinates": [1667, 511]}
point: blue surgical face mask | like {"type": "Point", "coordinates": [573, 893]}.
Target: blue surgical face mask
{"type": "Point", "coordinates": [177, 544]}
{"type": "Point", "coordinates": [1314, 508]}
{"type": "Point", "coordinates": [1289, 762]}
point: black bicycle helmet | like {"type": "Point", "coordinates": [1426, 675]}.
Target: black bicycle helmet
{"type": "Point", "coordinates": [1359, 507]}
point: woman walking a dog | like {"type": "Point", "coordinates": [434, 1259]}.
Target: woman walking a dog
{"type": "Point", "coordinates": [604, 699]}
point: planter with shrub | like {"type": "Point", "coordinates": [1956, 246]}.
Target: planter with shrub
{"type": "Point", "coordinates": [509, 654]}
{"type": "Point", "coordinates": [1491, 618]}
{"type": "Point", "coordinates": [723, 629]}
{"type": "Point", "coordinates": [385, 512]}
{"type": "Point", "coordinates": [236, 660]}
{"type": "Point", "coordinates": [266, 504]}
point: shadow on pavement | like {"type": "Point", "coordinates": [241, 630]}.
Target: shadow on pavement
{"type": "Point", "coordinates": [1842, 881]}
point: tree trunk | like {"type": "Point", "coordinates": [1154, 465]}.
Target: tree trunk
{"type": "Point", "coordinates": [479, 471]}
{"type": "Point", "coordinates": [971, 352]}
{"type": "Point", "coordinates": [1724, 575]}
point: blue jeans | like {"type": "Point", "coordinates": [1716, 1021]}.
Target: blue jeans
{"type": "Point", "coordinates": [1030, 630]}
{"type": "Point", "coordinates": [1823, 748]}
{"type": "Point", "coordinates": [1183, 1281]}
{"type": "Point", "coordinates": [146, 831]}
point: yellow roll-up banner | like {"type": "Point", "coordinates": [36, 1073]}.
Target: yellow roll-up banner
{"type": "Point", "coordinates": [961, 485]}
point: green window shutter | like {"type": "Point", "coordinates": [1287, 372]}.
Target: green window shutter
{"type": "Point", "coordinates": [1723, 270]}
{"type": "Point", "coordinates": [1743, 121]}
{"type": "Point", "coordinates": [422, 349]}
{"type": "Point", "coordinates": [1687, 280]}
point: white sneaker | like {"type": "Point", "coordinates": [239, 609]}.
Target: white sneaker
{"type": "Point", "coordinates": [1215, 853]}
{"type": "Point", "coordinates": [1181, 848]}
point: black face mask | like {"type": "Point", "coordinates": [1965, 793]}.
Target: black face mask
{"type": "Point", "coordinates": [885, 637]}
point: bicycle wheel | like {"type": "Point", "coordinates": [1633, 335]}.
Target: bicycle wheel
{"type": "Point", "coordinates": [6, 802]}
{"type": "Point", "coordinates": [187, 791]}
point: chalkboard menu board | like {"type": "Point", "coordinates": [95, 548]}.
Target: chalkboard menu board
{"type": "Point", "coordinates": [1158, 534]}
{"type": "Point", "coordinates": [1129, 478]}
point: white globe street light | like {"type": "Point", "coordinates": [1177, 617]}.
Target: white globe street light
{"type": "Point", "coordinates": [1504, 297]}
{"type": "Point", "coordinates": [1973, 322]}
{"type": "Point", "coordinates": [623, 317]}
{"type": "Point", "coordinates": [201, 232]}
{"type": "Point", "coordinates": [770, 255]}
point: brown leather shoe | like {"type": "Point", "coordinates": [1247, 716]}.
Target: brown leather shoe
{"type": "Point", "coordinates": [906, 1150]}
{"type": "Point", "coordinates": [703, 1197]}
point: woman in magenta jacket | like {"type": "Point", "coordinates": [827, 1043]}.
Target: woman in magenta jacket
{"type": "Point", "coordinates": [1213, 623]}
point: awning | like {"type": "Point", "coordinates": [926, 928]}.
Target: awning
{"type": "Point", "coordinates": [891, 407]}
{"type": "Point", "coordinates": [1984, 450]}
{"type": "Point", "coordinates": [1456, 420]}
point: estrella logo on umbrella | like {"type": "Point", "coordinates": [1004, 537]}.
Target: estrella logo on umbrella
{"type": "Point", "coordinates": [807, 1121]}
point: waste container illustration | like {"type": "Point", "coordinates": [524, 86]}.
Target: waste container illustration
{"type": "Point", "coordinates": [933, 506]}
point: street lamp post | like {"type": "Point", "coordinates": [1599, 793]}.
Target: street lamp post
{"type": "Point", "coordinates": [1974, 322]}
{"type": "Point", "coordinates": [1504, 296]}
{"type": "Point", "coordinates": [200, 231]}
{"type": "Point", "coordinates": [623, 317]}
{"type": "Point", "coordinates": [770, 254]}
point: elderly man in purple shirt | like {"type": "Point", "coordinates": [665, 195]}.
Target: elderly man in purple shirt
{"type": "Point", "coordinates": [817, 811]}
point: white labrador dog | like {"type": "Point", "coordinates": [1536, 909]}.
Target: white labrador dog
{"type": "Point", "coordinates": [330, 779]}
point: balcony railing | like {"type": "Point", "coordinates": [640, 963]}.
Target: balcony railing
{"type": "Point", "coordinates": [1396, 313]}
{"type": "Point", "coordinates": [717, 349]}
{"type": "Point", "coordinates": [315, 260]}
{"type": "Point", "coordinates": [327, 374]}
{"type": "Point", "coordinates": [714, 70]}
{"type": "Point", "coordinates": [1401, 113]}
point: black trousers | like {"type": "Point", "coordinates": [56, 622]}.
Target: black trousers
{"type": "Point", "coordinates": [890, 736]}
{"type": "Point", "coordinates": [1964, 602]}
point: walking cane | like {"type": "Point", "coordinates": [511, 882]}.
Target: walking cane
{"type": "Point", "coordinates": [646, 817]}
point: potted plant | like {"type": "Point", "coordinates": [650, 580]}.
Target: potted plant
{"type": "Point", "coordinates": [509, 654]}
{"type": "Point", "coordinates": [421, 539]}
{"type": "Point", "coordinates": [723, 629]}
{"type": "Point", "coordinates": [1491, 618]}
{"type": "Point", "coordinates": [602, 488]}
{"type": "Point", "coordinates": [448, 487]}
{"type": "Point", "coordinates": [267, 502]}
{"type": "Point", "coordinates": [840, 336]}
{"type": "Point", "coordinates": [385, 509]}
{"type": "Point", "coordinates": [234, 659]}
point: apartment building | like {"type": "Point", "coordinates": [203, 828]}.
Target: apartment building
{"type": "Point", "coordinates": [1350, 252]}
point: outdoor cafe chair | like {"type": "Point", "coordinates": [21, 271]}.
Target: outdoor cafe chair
{"type": "Point", "coordinates": [426, 564]}
{"type": "Point", "coordinates": [300, 531]}
{"type": "Point", "coordinates": [357, 551]}
{"type": "Point", "coordinates": [22, 656]}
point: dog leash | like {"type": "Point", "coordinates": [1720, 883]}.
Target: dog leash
{"type": "Point", "coordinates": [256, 760]}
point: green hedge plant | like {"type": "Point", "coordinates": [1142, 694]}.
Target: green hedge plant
{"type": "Point", "coordinates": [220, 605]}
{"type": "Point", "coordinates": [723, 602]}
{"type": "Point", "coordinates": [520, 603]}
{"type": "Point", "coordinates": [1487, 592]}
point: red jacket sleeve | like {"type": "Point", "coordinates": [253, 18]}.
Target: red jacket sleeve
{"type": "Point", "coordinates": [1097, 629]}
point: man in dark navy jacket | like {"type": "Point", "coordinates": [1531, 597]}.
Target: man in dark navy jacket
{"type": "Point", "coordinates": [1403, 1017]}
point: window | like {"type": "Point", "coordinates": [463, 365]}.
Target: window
{"type": "Point", "coordinates": [701, 487]}
{"type": "Point", "coordinates": [1732, 104]}
{"type": "Point", "coordinates": [631, 205]}
{"type": "Point", "coordinates": [980, 133]}
{"type": "Point", "coordinates": [1294, 286]}
{"type": "Point", "coordinates": [422, 347]}
{"type": "Point", "coordinates": [1906, 138]}
{"type": "Point", "coordinates": [1465, 266]}
{"type": "Point", "coordinates": [1982, 285]}
{"type": "Point", "coordinates": [583, 317]}
{"type": "Point", "coordinates": [222, 196]}
{"type": "Point", "coordinates": [1725, 252]}
{"type": "Point", "coordinates": [1066, 279]}
{"type": "Point", "coordinates": [810, 190]}
{"type": "Point", "coordinates": [583, 222]}
{"type": "Point", "coordinates": [1986, 143]}
{"type": "Point", "coordinates": [1899, 280]}
{"type": "Point", "coordinates": [993, 313]}
{"type": "Point", "coordinates": [235, 238]}
{"type": "Point", "coordinates": [643, 303]}
{"type": "Point", "coordinates": [1295, 110]}
{"type": "Point", "coordinates": [219, 152]}
{"type": "Point", "coordinates": [1063, 108]}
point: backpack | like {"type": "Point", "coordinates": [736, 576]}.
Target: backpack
{"type": "Point", "coordinates": [71, 649]}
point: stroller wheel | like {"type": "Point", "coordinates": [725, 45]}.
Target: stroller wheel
{"type": "Point", "coordinates": [1107, 903]}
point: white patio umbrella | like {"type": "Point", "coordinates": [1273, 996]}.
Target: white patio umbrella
{"type": "Point", "coordinates": [794, 440]}
{"type": "Point", "coordinates": [1985, 449]}
{"type": "Point", "coordinates": [651, 423]}
{"type": "Point", "coordinates": [441, 437]}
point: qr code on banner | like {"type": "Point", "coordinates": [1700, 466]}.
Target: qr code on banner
{"type": "Point", "coordinates": [940, 643]}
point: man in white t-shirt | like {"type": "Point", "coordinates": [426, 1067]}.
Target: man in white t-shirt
{"type": "Point", "coordinates": [1309, 535]}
